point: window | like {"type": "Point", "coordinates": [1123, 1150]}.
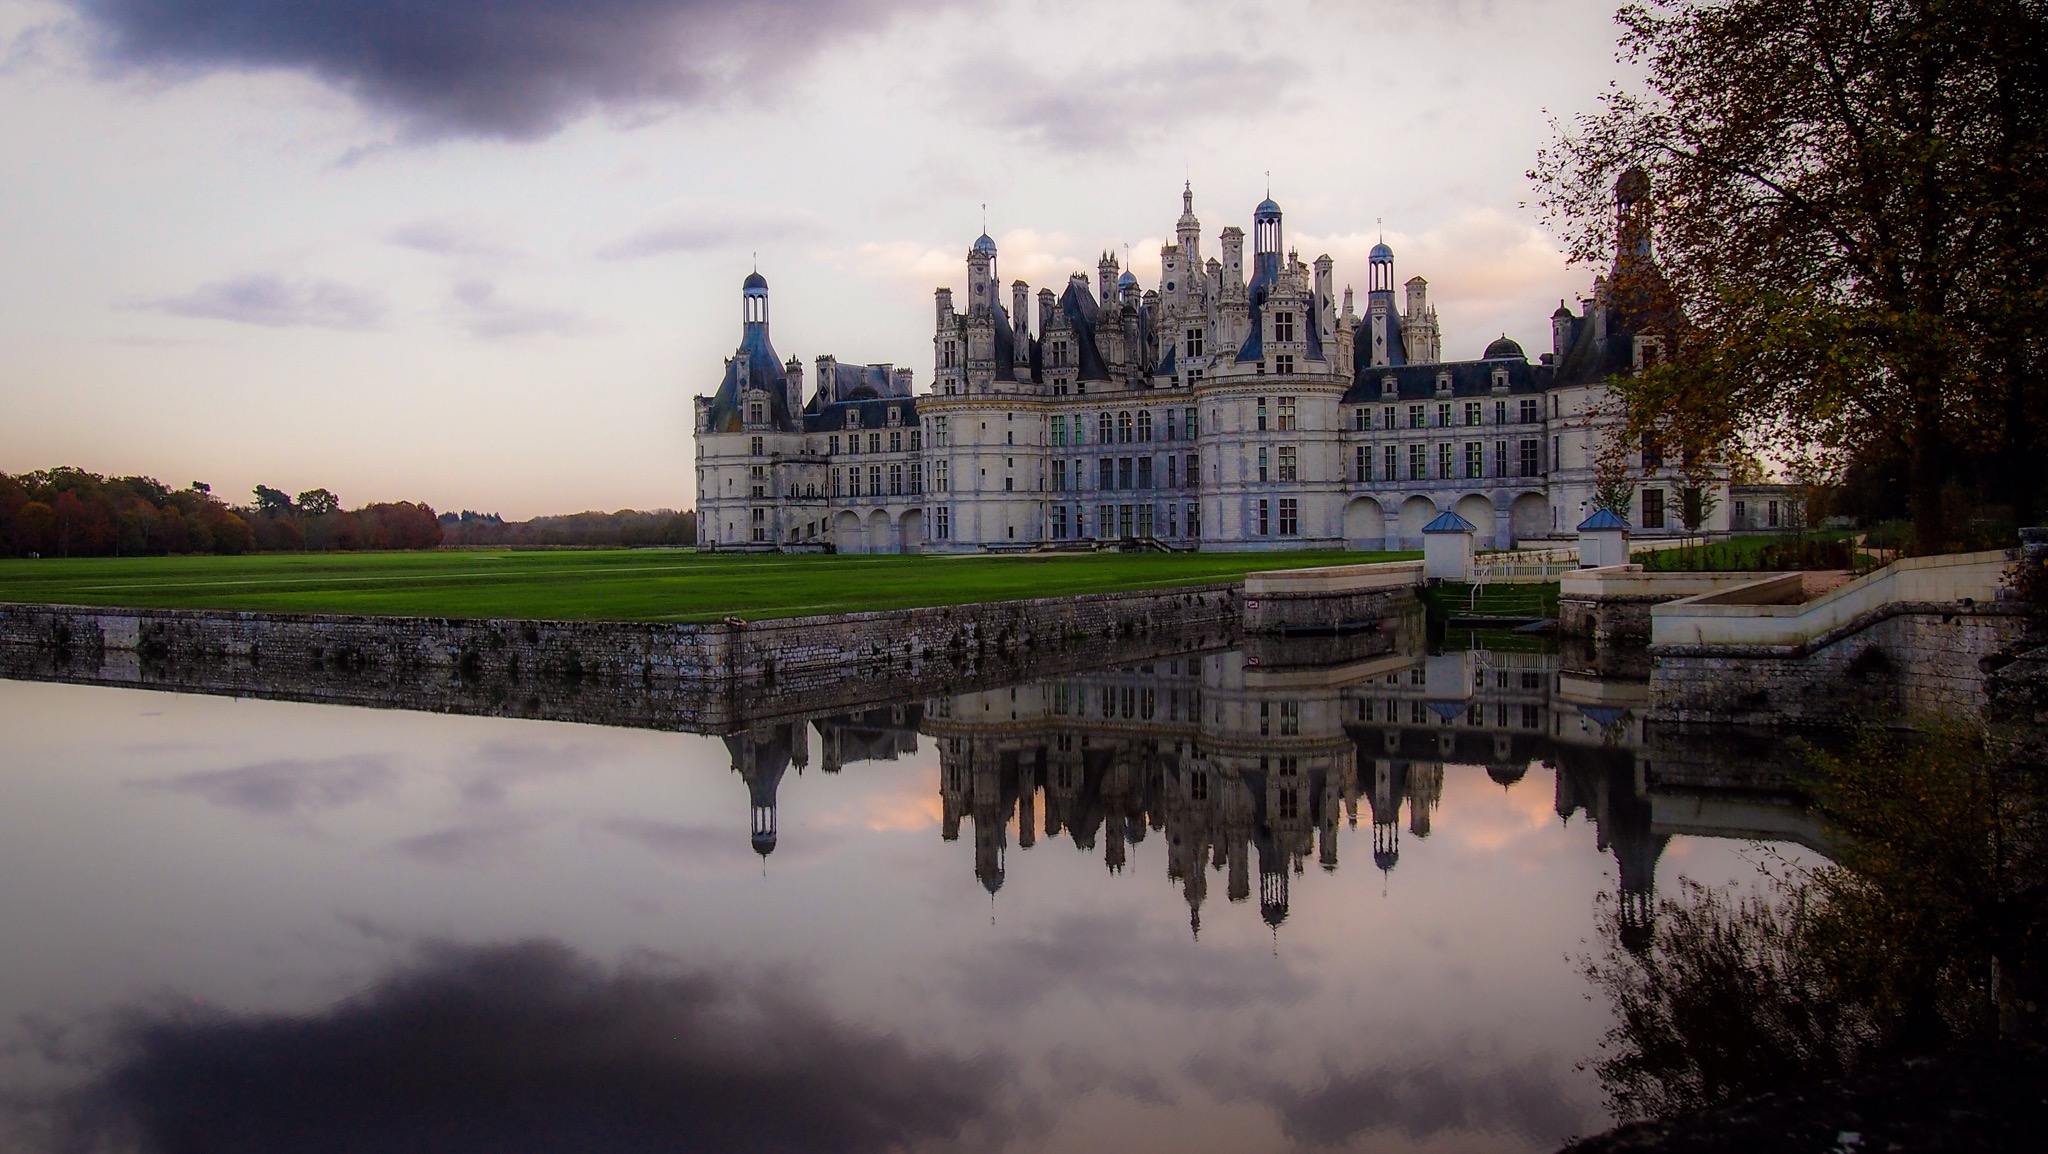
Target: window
{"type": "Point", "coordinates": [916, 479]}
{"type": "Point", "coordinates": [1283, 326]}
{"type": "Point", "coordinates": [1262, 414]}
{"type": "Point", "coordinates": [1147, 527]}
{"type": "Point", "coordinates": [1443, 460]}
{"type": "Point", "coordinates": [875, 480]}
{"type": "Point", "coordinates": [896, 441]}
{"type": "Point", "coordinates": [832, 445]}
{"type": "Point", "coordinates": [853, 481]}
{"type": "Point", "coordinates": [1387, 417]}
{"type": "Point", "coordinates": [1059, 476]}
{"type": "Point", "coordinates": [895, 480]}
{"type": "Point", "coordinates": [916, 439]}
{"type": "Point", "coordinates": [942, 522]}
{"type": "Point", "coordinates": [755, 446]}
{"type": "Point", "coordinates": [1286, 413]}
{"type": "Point", "coordinates": [939, 431]}
{"type": "Point", "coordinates": [1283, 364]}
{"type": "Point", "coordinates": [1193, 425]}
{"type": "Point", "coordinates": [1443, 416]}
{"type": "Point", "coordinates": [1653, 453]}
{"type": "Point", "coordinates": [1500, 412]}
{"type": "Point", "coordinates": [1529, 466]}
{"type": "Point", "coordinates": [1418, 462]}
{"type": "Point", "coordinates": [1194, 342]}
{"type": "Point", "coordinates": [1530, 412]}
{"type": "Point", "coordinates": [1475, 459]}
{"type": "Point", "coordinates": [835, 482]}
{"type": "Point", "coordinates": [1107, 478]}
{"type": "Point", "coordinates": [1123, 473]}
{"type": "Point", "coordinates": [1290, 726]}
{"type": "Point", "coordinates": [1059, 352]}
{"type": "Point", "coordinates": [1105, 521]}
{"type": "Point", "coordinates": [853, 418]}
{"type": "Point", "coordinates": [1125, 522]}
{"type": "Point", "coordinates": [895, 415]}
{"type": "Point", "coordinates": [1059, 430]}
{"type": "Point", "coordinates": [1144, 472]}
{"type": "Point", "coordinates": [952, 350]}
{"type": "Point", "coordinates": [1415, 416]}
{"type": "Point", "coordinates": [1173, 472]}
{"type": "Point", "coordinates": [1290, 518]}
{"type": "Point", "coordinates": [1145, 425]}
{"type": "Point", "coordinates": [1473, 411]}
{"type": "Point", "coordinates": [1105, 429]}
{"type": "Point", "coordinates": [1059, 522]}
{"type": "Point", "coordinates": [1771, 514]}
{"type": "Point", "coordinates": [1289, 467]}
{"type": "Point", "coordinates": [1192, 475]}
{"type": "Point", "coordinates": [1264, 512]}
{"type": "Point", "coordinates": [874, 442]}
{"type": "Point", "coordinates": [1194, 519]}
{"type": "Point", "coordinates": [1392, 464]}
{"type": "Point", "coordinates": [1500, 458]}
{"type": "Point", "coordinates": [1362, 464]}
{"type": "Point", "coordinates": [1653, 508]}
{"type": "Point", "coordinates": [756, 413]}
{"type": "Point", "coordinates": [939, 476]}
{"type": "Point", "coordinates": [1123, 428]}
{"type": "Point", "coordinates": [1262, 463]}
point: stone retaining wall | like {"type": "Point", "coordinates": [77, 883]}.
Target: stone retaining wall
{"type": "Point", "coordinates": [709, 677]}
{"type": "Point", "coordinates": [1903, 659]}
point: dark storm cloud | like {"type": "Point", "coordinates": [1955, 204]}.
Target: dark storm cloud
{"type": "Point", "coordinates": [507, 69]}
{"type": "Point", "coordinates": [1421, 1100]}
{"type": "Point", "coordinates": [530, 1047]}
{"type": "Point", "coordinates": [286, 787]}
{"type": "Point", "coordinates": [275, 301]}
{"type": "Point", "coordinates": [1103, 957]}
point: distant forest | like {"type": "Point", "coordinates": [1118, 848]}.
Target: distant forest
{"type": "Point", "coordinates": [73, 513]}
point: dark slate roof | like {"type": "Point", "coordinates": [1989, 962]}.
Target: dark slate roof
{"type": "Point", "coordinates": [764, 371]}
{"type": "Point", "coordinates": [1265, 273]}
{"type": "Point", "coordinates": [1380, 251]}
{"type": "Point", "coordinates": [1469, 379]}
{"type": "Point", "coordinates": [874, 415]}
{"type": "Point", "coordinates": [1602, 519]}
{"type": "Point", "coordinates": [1079, 306]}
{"type": "Point", "coordinates": [1504, 349]}
{"type": "Point", "coordinates": [754, 281]}
{"type": "Point", "coordinates": [1448, 521]}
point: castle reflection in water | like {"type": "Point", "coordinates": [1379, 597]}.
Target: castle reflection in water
{"type": "Point", "coordinates": [1248, 761]}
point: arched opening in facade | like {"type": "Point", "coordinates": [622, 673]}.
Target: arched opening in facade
{"type": "Point", "coordinates": [1530, 516]}
{"type": "Point", "coordinates": [1365, 524]}
{"type": "Point", "coordinates": [881, 532]}
{"type": "Point", "coordinates": [1416, 512]}
{"type": "Point", "coordinates": [846, 533]}
{"type": "Point", "coordinates": [911, 529]}
{"type": "Point", "coordinates": [1479, 511]}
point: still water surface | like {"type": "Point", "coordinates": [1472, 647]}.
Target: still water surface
{"type": "Point", "coordinates": [1172, 908]}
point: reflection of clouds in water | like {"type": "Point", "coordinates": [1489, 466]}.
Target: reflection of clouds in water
{"type": "Point", "coordinates": [497, 766]}
{"type": "Point", "coordinates": [711, 847]}
{"type": "Point", "coordinates": [472, 844]}
{"type": "Point", "coordinates": [286, 786]}
{"type": "Point", "coordinates": [1421, 1101]}
{"type": "Point", "coordinates": [1104, 957]}
{"type": "Point", "coordinates": [530, 1047]}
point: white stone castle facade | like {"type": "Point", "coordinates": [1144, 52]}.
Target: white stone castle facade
{"type": "Point", "coordinates": [1219, 410]}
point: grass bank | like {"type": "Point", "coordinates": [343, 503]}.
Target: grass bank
{"type": "Point", "coordinates": [613, 585]}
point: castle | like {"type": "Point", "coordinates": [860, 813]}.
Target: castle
{"type": "Point", "coordinates": [1218, 411]}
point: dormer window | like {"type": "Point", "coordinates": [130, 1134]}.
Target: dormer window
{"type": "Point", "coordinates": [895, 416]}
{"type": "Point", "coordinates": [756, 412]}
{"type": "Point", "coordinates": [1194, 342]}
{"type": "Point", "coordinates": [1443, 382]}
{"type": "Point", "coordinates": [1283, 327]}
{"type": "Point", "coordinates": [853, 418]}
{"type": "Point", "coordinates": [1388, 386]}
{"type": "Point", "coordinates": [1283, 363]}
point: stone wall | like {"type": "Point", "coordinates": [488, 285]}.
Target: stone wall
{"type": "Point", "coordinates": [1905, 659]}
{"type": "Point", "coordinates": [705, 677]}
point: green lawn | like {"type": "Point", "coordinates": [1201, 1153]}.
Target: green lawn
{"type": "Point", "coordinates": [613, 585]}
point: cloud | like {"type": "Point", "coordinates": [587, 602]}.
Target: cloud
{"type": "Point", "coordinates": [288, 786]}
{"type": "Point", "coordinates": [275, 301]}
{"type": "Point", "coordinates": [448, 236]}
{"type": "Point", "coordinates": [531, 1047]}
{"type": "Point", "coordinates": [471, 844]}
{"type": "Point", "coordinates": [1421, 1101]}
{"type": "Point", "coordinates": [708, 847]}
{"type": "Point", "coordinates": [709, 229]}
{"type": "Point", "coordinates": [489, 316]}
{"type": "Point", "coordinates": [1107, 958]}
{"type": "Point", "coordinates": [1113, 108]}
{"type": "Point", "coordinates": [500, 69]}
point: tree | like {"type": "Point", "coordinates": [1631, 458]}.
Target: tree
{"type": "Point", "coordinates": [319, 503]}
{"type": "Point", "coordinates": [272, 502]}
{"type": "Point", "coordinates": [1847, 215]}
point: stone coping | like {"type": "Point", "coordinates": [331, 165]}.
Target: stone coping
{"type": "Point", "coordinates": [1733, 617]}
{"type": "Point", "coordinates": [1333, 579]}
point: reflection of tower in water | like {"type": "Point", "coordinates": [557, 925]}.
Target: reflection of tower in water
{"type": "Point", "coordinates": [1602, 782]}
{"type": "Point", "coordinates": [761, 756]}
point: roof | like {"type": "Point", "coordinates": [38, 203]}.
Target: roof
{"type": "Point", "coordinates": [1266, 208]}
{"type": "Point", "coordinates": [874, 415]}
{"type": "Point", "coordinates": [1448, 521]}
{"type": "Point", "coordinates": [755, 281]}
{"type": "Point", "coordinates": [1380, 251]}
{"type": "Point", "coordinates": [1469, 379]}
{"type": "Point", "coordinates": [1602, 519]}
{"type": "Point", "coordinates": [984, 243]}
{"type": "Point", "coordinates": [1504, 349]}
{"type": "Point", "coordinates": [764, 371]}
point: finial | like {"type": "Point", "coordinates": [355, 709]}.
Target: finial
{"type": "Point", "coordinates": [984, 218]}
{"type": "Point", "coordinates": [1269, 184]}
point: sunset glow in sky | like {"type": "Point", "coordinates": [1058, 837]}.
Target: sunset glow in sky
{"type": "Point", "coordinates": [482, 254]}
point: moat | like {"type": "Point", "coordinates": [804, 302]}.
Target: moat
{"type": "Point", "coordinates": [1333, 893]}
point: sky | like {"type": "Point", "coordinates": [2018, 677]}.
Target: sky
{"type": "Point", "coordinates": [482, 253]}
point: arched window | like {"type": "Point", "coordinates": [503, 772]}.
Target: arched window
{"type": "Point", "coordinates": [1107, 428]}
{"type": "Point", "coordinates": [1123, 427]}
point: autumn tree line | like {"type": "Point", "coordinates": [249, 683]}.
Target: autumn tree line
{"type": "Point", "coordinates": [72, 513]}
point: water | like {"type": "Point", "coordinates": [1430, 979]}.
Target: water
{"type": "Point", "coordinates": [1200, 904]}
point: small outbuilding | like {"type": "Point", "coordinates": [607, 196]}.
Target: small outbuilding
{"type": "Point", "coordinates": [1447, 548]}
{"type": "Point", "coordinates": [1603, 540]}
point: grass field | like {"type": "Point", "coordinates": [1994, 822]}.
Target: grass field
{"type": "Point", "coordinates": [612, 585]}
